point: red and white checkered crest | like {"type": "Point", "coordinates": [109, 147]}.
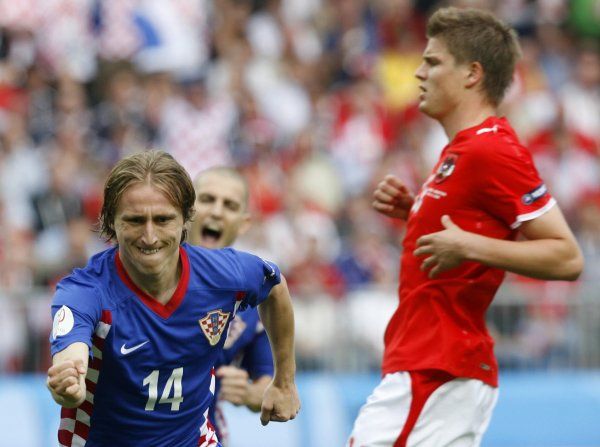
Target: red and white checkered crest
{"type": "Point", "coordinates": [213, 324]}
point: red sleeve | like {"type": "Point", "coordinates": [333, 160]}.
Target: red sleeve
{"type": "Point", "coordinates": [507, 182]}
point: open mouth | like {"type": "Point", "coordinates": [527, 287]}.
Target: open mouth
{"type": "Point", "coordinates": [211, 234]}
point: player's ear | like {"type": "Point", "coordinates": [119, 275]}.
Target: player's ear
{"type": "Point", "coordinates": [475, 74]}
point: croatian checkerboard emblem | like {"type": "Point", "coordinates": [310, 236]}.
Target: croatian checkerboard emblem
{"type": "Point", "coordinates": [213, 324]}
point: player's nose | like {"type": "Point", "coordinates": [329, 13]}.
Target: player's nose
{"type": "Point", "coordinates": [216, 209]}
{"type": "Point", "coordinates": [420, 73]}
{"type": "Point", "coordinates": [149, 236]}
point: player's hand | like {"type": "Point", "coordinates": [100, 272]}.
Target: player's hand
{"type": "Point", "coordinates": [446, 247]}
{"type": "Point", "coordinates": [392, 198]}
{"type": "Point", "coordinates": [64, 382]}
{"type": "Point", "coordinates": [235, 385]}
{"type": "Point", "coordinates": [280, 403]}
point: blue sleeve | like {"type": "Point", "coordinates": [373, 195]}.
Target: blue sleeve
{"type": "Point", "coordinates": [258, 359]}
{"type": "Point", "coordinates": [258, 278]}
{"type": "Point", "coordinates": [76, 309]}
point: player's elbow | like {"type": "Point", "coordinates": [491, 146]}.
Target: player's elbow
{"type": "Point", "coordinates": [573, 267]}
{"type": "Point", "coordinates": [570, 264]}
{"type": "Point", "coordinates": [568, 261]}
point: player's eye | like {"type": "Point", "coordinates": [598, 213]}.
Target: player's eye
{"type": "Point", "coordinates": [205, 198]}
{"type": "Point", "coordinates": [233, 206]}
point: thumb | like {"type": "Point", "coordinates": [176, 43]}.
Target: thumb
{"type": "Point", "coordinates": [221, 371]}
{"type": "Point", "coordinates": [447, 222]}
{"type": "Point", "coordinates": [79, 365]}
{"type": "Point", "coordinates": [265, 414]}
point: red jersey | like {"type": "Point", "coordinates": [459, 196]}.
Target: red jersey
{"type": "Point", "coordinates": [487, 183]}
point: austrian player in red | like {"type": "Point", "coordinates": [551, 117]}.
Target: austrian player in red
{"type": "Point", "coordinates": [440, 376]}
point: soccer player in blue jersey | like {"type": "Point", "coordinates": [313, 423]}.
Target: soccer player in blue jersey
{"type": "Point", "coordinates": [245, 366]}
{"type": "Point", "coordinates": [137, 331]}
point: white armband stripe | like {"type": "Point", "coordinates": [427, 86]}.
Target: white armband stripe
{"type": "Point", "coordinates": [534, 214]}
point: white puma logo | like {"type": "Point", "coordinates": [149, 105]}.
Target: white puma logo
{"type": "Point", "coordinates": [487, 129]}
{"type": "Point", "coordinates": [126, 351]}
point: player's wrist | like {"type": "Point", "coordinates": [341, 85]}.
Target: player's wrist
{"type": "Point", "coordinates": [253, 398]}
{"type": "Point", "coordinates": [469, 246]}
{"type": "Point", "coordinates": [284, 381]}
{"type": "Point", "coordinates": [66, 401]}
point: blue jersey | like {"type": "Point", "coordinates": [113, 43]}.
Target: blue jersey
{"type": "Point", "coordinates": [247, 347]}
{"type": "Point", "coordinates": [150, 380]}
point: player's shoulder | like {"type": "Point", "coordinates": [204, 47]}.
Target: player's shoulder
{"type": "Point", "coordinates": [225, 266]}
{"type": "Point", "coordinates": [90, 285]}
{"type": "Point", "coordinates": [96, 273]}
{"type": "Point", "coordinates": [495, 139]}
{"type": "Point", "coordinates": [221, 257]}
{"type": "Point", "coordinates": [210, 258]}
{"type": "Point", "coordinates": [230, 269]}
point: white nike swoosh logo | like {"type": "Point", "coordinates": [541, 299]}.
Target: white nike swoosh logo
{"type": "Point", "coordinates": [126, 351]}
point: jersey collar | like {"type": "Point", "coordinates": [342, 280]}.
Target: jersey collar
{"type": "Point", "coordinates": [490, 124]}
{"type": "Point", "coordinates": [162, 310]}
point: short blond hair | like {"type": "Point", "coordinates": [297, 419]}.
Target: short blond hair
{"type": "Point", "coordinates": [472, 35]}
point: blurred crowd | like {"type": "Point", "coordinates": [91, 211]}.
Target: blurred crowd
{"type": "Point", "coordinates": [313, 100]}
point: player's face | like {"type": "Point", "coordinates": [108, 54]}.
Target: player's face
{"type": "Point", "coordinates": [149, 228]}
{"type": "Point", "coordinates": [221, 214]}
{"type": "Point", "coordinates": [441, 80]}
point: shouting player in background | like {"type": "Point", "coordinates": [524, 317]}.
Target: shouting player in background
{"type": "Point", "coordinates": [245, 366]}
{"type": "Point", "coordinates": [137, 330]}
{"type": "Point", "coordinates": [440, 376]}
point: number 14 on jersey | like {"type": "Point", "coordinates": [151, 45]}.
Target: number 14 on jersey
{"type": "Point", "coordinates": [174, 383]}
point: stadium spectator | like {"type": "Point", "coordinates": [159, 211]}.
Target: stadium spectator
{"type": "Point", "coordinates": [245, 366]}
{"type": "Point", "coordinates": [440, 376]}
{"type": "Point", "coordinates": [147, 317]}
{"type": "Point", "coordinates": [331, 51]}
{"type": "Point", "coordinates": [196, 126]}
{"type": "Point", "coordinates": [580, 100]}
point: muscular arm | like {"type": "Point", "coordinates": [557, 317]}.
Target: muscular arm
{"type": "Point", "coordinates": [66, 376]}
{"type": "Point", "coordinates": [550, 250]}
{"type": "Point", "coordinates": [280, 402]}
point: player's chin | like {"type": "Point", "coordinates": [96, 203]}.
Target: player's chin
{"type": "Point", "coordinates": [153, 261]}
{"type": "Point", "coordinates": [424, 107]}
{"type": "Point", "coordinates": [150, 266]}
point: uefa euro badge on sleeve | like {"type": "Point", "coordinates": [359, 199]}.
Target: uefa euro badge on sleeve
{"type": "Point", "coordinates": [213, 324]}
{"type": "Point", "coordinates": [63, 322]}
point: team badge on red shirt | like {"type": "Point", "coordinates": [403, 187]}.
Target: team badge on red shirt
{"type": "Point", "coordinates": [446, 168]}
{"type": "Point", "coordinates": [213, 324]}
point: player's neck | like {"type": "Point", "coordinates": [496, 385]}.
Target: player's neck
{"type": "Point", "coordinates": [465, 116]}
{"type": "Point", "coordinates": [159, 286]}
